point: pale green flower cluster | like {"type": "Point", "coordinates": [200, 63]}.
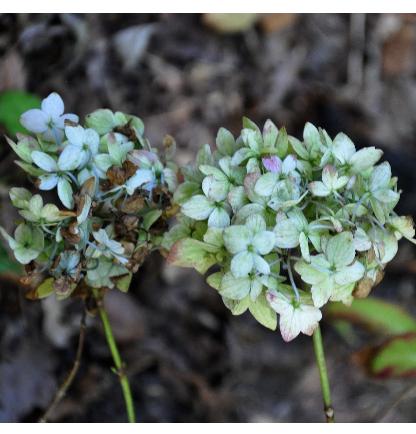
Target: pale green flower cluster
{"type": "Point", "coordinates": [287, 225]}
{"type": "Point", "coordinates": [114, 198]}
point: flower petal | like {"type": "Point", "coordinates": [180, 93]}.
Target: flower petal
{"type": "Point", "coordinates": [264, 242]}
{"type": "Point", "coordinates": [65, 193]}
{"type": "Point", "coordinates": [242, 264]}
{"type": "Point", "coordinates": [48, 182]}
{"type": "Point", "coordinates": [75, 135]}
{"type": "Point", "coordinates": [198, 207]}
{"type": "Point", "coordinates": [286, 234]}
{"type": "Point", "coordinates": [53, 105]}
{"type": "Point", "coordinates": [236, 238]}
{"type": "Point", "coordinates": [261, 264]}
{"type": "Point", "coordinates": [70, 158]}
{"type": "Point", "coordinates": [266, 184]}
{"type": "Point", "coordinates": [34, 120]}
{"type": "Point", "coordinates": [219, 218]}
{"type": "Point", "coordinates": [44, 161]}
{"type": "Point", "coordinates": [235, 288]}
{"type": "Point", "coordinates": [141, 177]}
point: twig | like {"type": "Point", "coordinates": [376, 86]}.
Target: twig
{"type": "Point", "coordinates": [119, 365]}
{"type": "Point", "coordinates": [61, 392]}
{"type": "Point", "coordinates": [323, 374]}
{"type": "Point", "coordinates": [405, 394]}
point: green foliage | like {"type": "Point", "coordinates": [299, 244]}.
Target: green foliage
{"type": "Point", "coordinates": [375, 314]}
{"type": "Point", "coordinates": [395, 358]}
{"type": "Point", "coordinates": [12, 104]}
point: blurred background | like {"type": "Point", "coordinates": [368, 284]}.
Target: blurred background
{"type": "Point", "coordinates": [188, 359]}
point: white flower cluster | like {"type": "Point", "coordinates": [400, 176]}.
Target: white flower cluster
{"type": "Point", "coordinates": [288, 224]}
{"type": "Point", "coordinates": [114, 191]}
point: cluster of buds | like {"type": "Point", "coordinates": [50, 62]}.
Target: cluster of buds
{"type": "Point", "coordinates": [114, 198]}
{"type": "Point", "coordinates": [288, 225]}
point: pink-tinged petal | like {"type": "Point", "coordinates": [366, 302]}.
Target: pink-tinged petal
{"type": "Point", "coordinates": [273, 164]}
{"type": "Point", "coordinates": [142, 158]}
{"type": "Point", "coordinates": [34, 120]}
{"type": "Point", "coordinates": [53, 105]}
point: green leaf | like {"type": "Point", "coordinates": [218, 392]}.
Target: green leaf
{"type": "Point", "coordinates": [102, 121]}
{"type": "Point", "coordinates": [282, 143]}
{"type": "Point", "coordinates": [230, 22]}
{"type": "Point", "coordinates": [263, 313]}
{"type": "Point", "coordinates": [43, 290]}
{"type": "Point", "coordinates": [374, 314]}
{"type": "Point", "coordinates": [395, 358]}
{"type": "Point", "coordinates": [225, 142]}
{"type": "Point", "coordinates": [192, 253]}
{"type": "Point", "coordinates": [150, 218]}
{"type": "Point", "coordinates": [12, 104]}
{"type": "Point", "coordinates": [123, 283]}
{"type": "Point", "coordinates": [7, 265]}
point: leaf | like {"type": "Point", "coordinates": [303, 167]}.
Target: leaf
{"type": "Point", "coordinates": [282, 143]}
{"type": "Point", "coordinates": [230, 22]}
{"type": "Point", "coordinates": [150, 218]}
{"type": "Point", "coordinates": [7, 265]}
{"type": "Point", "coordinates": [225, 142]}
{"type": "Point", "coordinates": [263, 313]}
{"type": "Point", "coordinates": [123, 283]}
{"type": "Point", "coordinates": [395, 358]}
{"type": "Point", "coordinates": [42, 291]}
{"type": "Point", "coordinates": [193, 254]}
{"type": "Point", "coordinates": [374, 314]}
{"type": "Point", "coordinates": [12, 104]}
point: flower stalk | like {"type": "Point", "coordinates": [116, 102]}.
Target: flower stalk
{"type": "Point", "coordinates": [323, 374]}
{"type": "Point", "coordinates": [119, 367]}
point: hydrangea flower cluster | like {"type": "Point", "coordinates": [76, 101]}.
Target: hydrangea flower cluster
{"type": "Point", "coordinates": [114, 198]}
{"type": "Point", "coordinates": [289, 225]}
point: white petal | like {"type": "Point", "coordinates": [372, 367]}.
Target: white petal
{"type": "Point", "coordinates": [350, 274]}
{"type": "Point", "coordinates": [44, 161]}
{"type": "Point", "coordinates": [53, 105]}
{"type": "Point", "coordinates": [344, 148]}
{"type": "Point", "coordinates": [236, 238]}
{"type": "Point", "coordinates": [141, 177]}
{"type": "Point", "coordinates": [256, 223]}
{"type": "Point", "coordinates": [242, 264]}
{"type": "Point", "coordinates": [318, 188]}
{"type": "Point", "coordinates": [235, 288]}
{"type": "Point", "coordinates": [261, 265]}
{"type": "Point", "coordinates": [65, 193]}
{"type": "Point", "coordinates": [219, 218]}
{"type": "Point", "coordinates": [266, 184]}
{"type": "Point", "coordinates": [289, 164]}
{"type": "Point", "coordinates": [286, 234]}
{"type": "Point", "coordinates": [214, 189]}
{"type": "Point", "coordinates": [34, 120]}
{"type": "Point", "coordinates": [75, 135]}
{"type": "Point", "coordinates": [198, 207]}
{"type": "Point", "coordinates": [92, 139]}
{"type": "Point", "coordinates": [264, 241]}
{"type": "Point", "coordinates": [309, 317]}
{"type": "Point", "coordinates": [48, 182]}
{"type": "Point", "coordinates": [69, 158]}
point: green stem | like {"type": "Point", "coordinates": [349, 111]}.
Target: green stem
{"type": "Point", "coordinates": [119, 365]}
{"type": "Point", "coordinates": [323, 374]}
